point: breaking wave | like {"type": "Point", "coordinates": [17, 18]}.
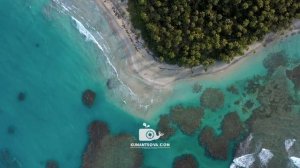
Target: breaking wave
{"type": "Point", "coordinates": [265, 155]}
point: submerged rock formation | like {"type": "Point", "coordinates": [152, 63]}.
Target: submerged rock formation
{"type": "Point", "coordinates": [275, 60]}
{"type": "Point", "coordinates": [232, 89]}
{"type": "Point", "coordinates": [112, 83]}
{"type": "Point", "coordinates": [212, 98]}
{"type": "Point", "coordinates": [274, 126]}
{"type": "Point", "coordinates": [197, 88]}
{"type": "Point", "coordinates": [166, 126]}
{"type": "Point", "coordinates": [232, 126]}
{"type": "Point", "coordinates": [217, 146]}
{"type": "Point", "coordinates": [185, 161]}
{"type": "Point", "coordinates": [214, 146]}
{"type": "Point", "coordinates": [21, 96]}
{"type": "Point", "coordinates": [7, 160]}
{"type": "Point", "coordinates": [88, 98]}
{"type": "Point", "coordinates": [187, 119]}
{"type": "Point", "coordinates": [51, 164]}
{"type": "Point", "coordinates": [11, 130]}
{"type": "Point", "coordinates": [294, 76]}
{"type": "Point", "coordinates": [107, 151]}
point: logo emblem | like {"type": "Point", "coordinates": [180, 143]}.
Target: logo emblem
{"type": "Point", "coordinates": [148, 134]}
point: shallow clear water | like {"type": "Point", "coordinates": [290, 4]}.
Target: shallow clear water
{"type": "Point", "coordinates": [43, 54]}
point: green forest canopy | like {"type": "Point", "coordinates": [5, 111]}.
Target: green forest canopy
{"type": "Point", "coordinates": [195, 32]}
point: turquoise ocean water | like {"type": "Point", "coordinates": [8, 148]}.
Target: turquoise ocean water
{"type": "Point", "coordinates": [43, 54]}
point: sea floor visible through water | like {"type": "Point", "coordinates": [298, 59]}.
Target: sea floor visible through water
{"type": "Point", "coordinates": [50, 54]}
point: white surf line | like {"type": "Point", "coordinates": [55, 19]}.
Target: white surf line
{"type": "Point", "coordinates": [89, 37]}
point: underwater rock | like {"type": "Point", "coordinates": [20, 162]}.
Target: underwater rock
{"type": "Point", "coordinates": [112, 83]}
{"type": "Point", "coordinates": [237, 102]}
{"type": "Point", "coordinates": [197, 88]}
{"type": "Point", "coordinates": [185, 161]}
{"type": "Point", "coordinates": [108, 151]}
{"type": "Point", "coordinates": [212, 98]}
{"type": "Point", "coordinates": [11, 129]}
{"type": "Point", "coordinates": [51, 164]}
{"type": "Point", "coordinates": [249, 104]}
{"type": "Point", "coordinates": [232, 89]}
{"type": "Point", "coordinates": [187, 119]}
{"type": "Point", "coordinates": [294, 76]}
{"type": "Point", "coordinates": [215, 147]}
{"type": "Point", "coordinates": [165, 126]}
{"type": "Point", "coordinates": [254, 84]}
{"type": "Point", "coordinates": [7, 160]}
{"type": "Point", "coordinates": [88, 98]}
{"type": "Point", "coordinates": [232, 126]}
{"type": "Point", "coordinates": [21, 96]}
{"type": "Point", "coordinates": [275, 60]}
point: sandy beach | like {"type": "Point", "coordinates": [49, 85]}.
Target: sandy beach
{"type": "Point", "coordinates": [152, 81]}
{"type": "Point", "coordinates": [160, 75]}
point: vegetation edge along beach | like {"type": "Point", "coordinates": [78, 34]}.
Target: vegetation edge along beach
{"type": "Point", "coordinates": [143, 63]}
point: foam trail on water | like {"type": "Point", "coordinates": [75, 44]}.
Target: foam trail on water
{"type": "Point", "coordinates": [89, 37]}
{"type": "Point", "coordinates": [62, 5]}
{"type": "Point", "coordinates": [264, 156]}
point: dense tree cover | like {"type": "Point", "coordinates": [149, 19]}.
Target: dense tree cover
{"type": "Point", "coordinates": [194, 32]}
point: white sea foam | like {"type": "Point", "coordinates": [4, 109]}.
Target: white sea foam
{"type": "Point", "coordinates": [264, 156]}
{"type": "Point", "coordinates": [244, 161]}
{"type": "Point", "coordinates": [89, 37]}
{"type": "Point", "coordinates": [288, 143]}
{"type": "Point", "coordinates": [62, 5]}
{"type": "Point", "coordinates": [295, 161]}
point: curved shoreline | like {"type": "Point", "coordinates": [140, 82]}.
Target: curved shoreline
{"type": "Point", "coordinates": [160, 75]}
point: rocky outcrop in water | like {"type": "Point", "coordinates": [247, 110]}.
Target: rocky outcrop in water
{"type": "Point", "coordinates": [185, 161]}
{"type": "Point", "coordinates": [88, 98]}
{"type": "Point", "coordinates": [108, 151]}
{"type": "Point", "coordinates": [212, 98]}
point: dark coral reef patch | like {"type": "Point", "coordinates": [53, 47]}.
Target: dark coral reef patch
{"type": "Point", "coordinates": [212, 98]}
{"type": "Point", "coordinates": [187, 119]}
{"type": "Point", "coordinates": [294, 76]}
{"type": "Point", "coordinates": [21, 96]}
{"type": "Point", "coordinates": [112, 83]}
{"type": "Point", "coordinates": [275, 60]}
{"type": "Point", "coordinates": [11, 130]}
{"type": "Point", "coordinates": [166, 126]}
{"type": "Point", "coordinates": [275, 121]}
{"type": "Point", "coordinates": [217, 146]}
{"type": "Point", "coordinates": [88, 97]}
{"type": "Point", "coordinates": [108, 151]}
{"type": "Point", "coordinates": [185, 161]}
{"type": "Point", "coordinates": [52, 164]}
{"type": "Point", "coordinates": [8, 160]}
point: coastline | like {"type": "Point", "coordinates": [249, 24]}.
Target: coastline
{"type": "Point", "coordinates": [142, 63]}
